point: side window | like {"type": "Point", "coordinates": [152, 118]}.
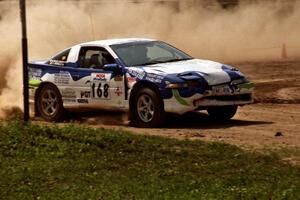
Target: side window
{"type": "Point", "coordinates": [60, 59]}
{"type": "Point", "coordinates": [94, 57]}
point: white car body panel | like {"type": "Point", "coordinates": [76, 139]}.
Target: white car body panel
{"type": "Point", "coordinates": [82, 93]}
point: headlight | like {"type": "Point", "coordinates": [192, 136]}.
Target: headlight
{"type": "Point", "coordinates": [177, 85]}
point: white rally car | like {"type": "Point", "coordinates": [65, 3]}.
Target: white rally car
{"type": "Point", "coordinates": [145, 77]}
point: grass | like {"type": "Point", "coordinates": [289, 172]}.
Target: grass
{"type": "Point", "coordinates": [74, 162]}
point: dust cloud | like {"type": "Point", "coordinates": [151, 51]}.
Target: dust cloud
{"type": "Point", "coordinates": [250, 31]}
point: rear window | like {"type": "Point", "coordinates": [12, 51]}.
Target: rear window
{"type": "Point", "coordinates": [60, 59]}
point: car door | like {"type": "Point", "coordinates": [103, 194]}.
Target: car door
{"type": "Point", "coordinates": [104, 89]}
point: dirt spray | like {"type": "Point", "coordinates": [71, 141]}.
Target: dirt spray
{"type": "Point", "coordinates": [247, 32]}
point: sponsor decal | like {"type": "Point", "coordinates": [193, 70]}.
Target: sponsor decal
{"type": "Point", "coordinates": [155, 78]}
{"type": "Point", "coordinates": [69, 100]}
{"type": "Point", "coordinates": [34, 73]}
{"type": "Point", "coordinates": [118, 91]}
{"type": "Point", "coordinates": [57, 62]}
{"type": "Point", "coordinates": [62, 77]}
{"type": "Point", "coordinates": [248, 86]}
{"type": "Point", "coordinates": [136, 72]}
{"type": "Point", "coordinates": [85, 94]}
{"type": "Point", "coordinates": [34, 83]}
{"type": "Point", "coordinates": [179, 98]}
{"type": "Point", "coordinates": [99, 77]}
{"type": "Point", "coordinates": [82, 101]}
{"type": "Point", "coordinates": [68, 93]}
{"type": "Point", "coordinates": [118, 78]}
{"type": "Point", "coordinates": [131, 79]}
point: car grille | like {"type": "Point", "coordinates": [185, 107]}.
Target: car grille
{"type": "Point", "coordinates": [197, 84]}
{"type": "Point", "coordinates": [240, 97]}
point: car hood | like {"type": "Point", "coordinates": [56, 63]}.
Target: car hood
{"type": "Point", "coordinates": [214, 73]}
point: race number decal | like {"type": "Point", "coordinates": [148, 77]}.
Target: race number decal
{"type": "Point", "coordinates": [100, 86]}
{"type": "Point", "coordinates": [100, 91]}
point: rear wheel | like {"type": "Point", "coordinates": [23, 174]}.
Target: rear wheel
{"type": "Point", "coordinates": [49, 103]}
{"type": "Point", "coordinates": [222, 112]}
{"type": "Point", "coordinates": [147, 110]}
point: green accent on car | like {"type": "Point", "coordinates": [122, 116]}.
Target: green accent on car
{"type": "Point", "coordinates": [246, 85]}
{"type": "Point", "coordinates": [34, 83]}
{"type": "Point", "coordinates": [179, 98]}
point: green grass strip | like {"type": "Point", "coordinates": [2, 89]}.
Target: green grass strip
{"type": "Point", "coordinates": [75, 162]}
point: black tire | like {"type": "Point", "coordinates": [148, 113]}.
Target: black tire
{"type": "Point", "coordinates": [222, 112]}
{"type": "Point", "coordinates": [147, 110]}
{"type": "Point", "coordinates": [49, 103]}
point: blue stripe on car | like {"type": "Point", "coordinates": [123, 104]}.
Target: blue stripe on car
{"type": "Point", "coordinates": [232, 72]}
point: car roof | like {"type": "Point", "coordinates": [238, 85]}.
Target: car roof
{"type": "Point", "coordinates": [116, 41]}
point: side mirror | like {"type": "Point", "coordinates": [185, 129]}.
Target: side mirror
{"type": "Point", "coordinates": [113, 68]}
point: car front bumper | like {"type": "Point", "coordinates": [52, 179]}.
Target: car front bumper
{"type": "Point", "coordinates": [177, 104]}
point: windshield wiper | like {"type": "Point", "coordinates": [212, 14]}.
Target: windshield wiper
{"type": "Point", "coordinates": [150, 63]}
{"type": "Point", "coordinates": [162, 61]}
{"type": "Point", "coordinates": [178, 59]}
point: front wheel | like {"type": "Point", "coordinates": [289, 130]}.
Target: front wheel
{"type": "Point", "coordinates": [49, 103]}
{"type": "Point", "coordinates": [222, 112]}
{"type": "Point", "coordinates": [147, 110]}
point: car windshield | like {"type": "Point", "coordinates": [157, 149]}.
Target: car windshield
{"type": "Point", "coordinates": [148, 53]}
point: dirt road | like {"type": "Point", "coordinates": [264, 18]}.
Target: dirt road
{"type": "Point", "coordinates": [254, 126]}
{"type": "Point", "coordinates": [276, 112]}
